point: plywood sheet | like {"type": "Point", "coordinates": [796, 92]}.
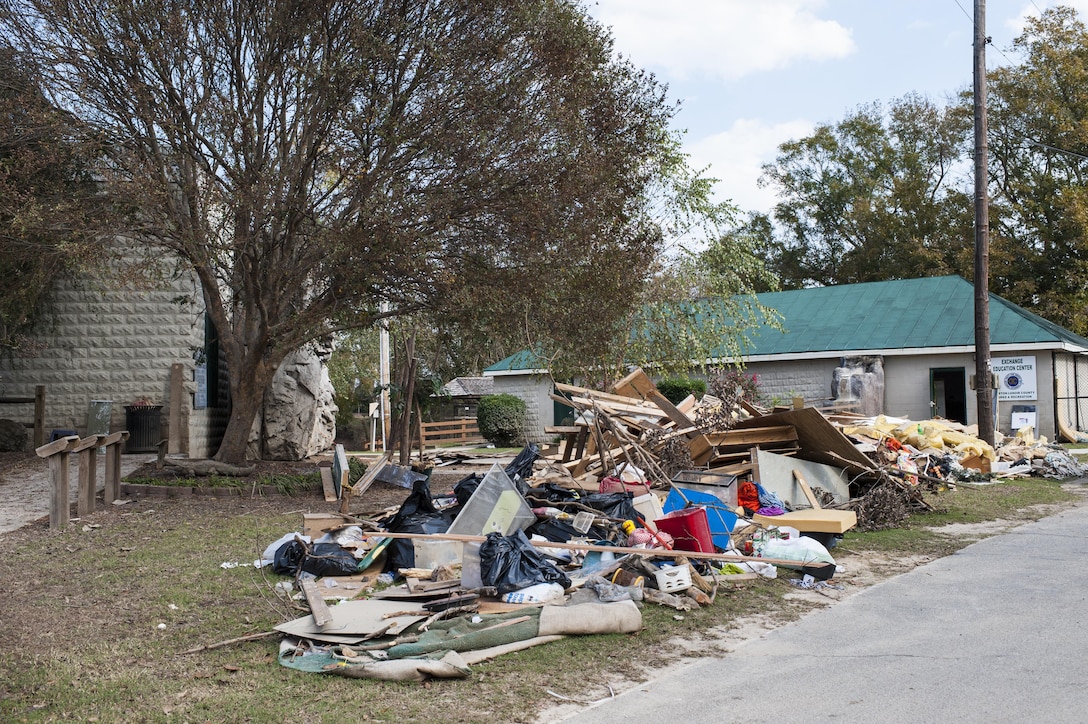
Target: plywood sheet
{"type": "Point", "coordinates": [819, 440]}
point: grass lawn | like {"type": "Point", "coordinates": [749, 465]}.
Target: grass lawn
{"type": "Point", "coordinates": [96, 616]}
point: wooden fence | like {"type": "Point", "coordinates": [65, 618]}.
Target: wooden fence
{"type": "Point", "coordinates": [38, 423]}
{"type": "Point", "coordinates": [450, 432]}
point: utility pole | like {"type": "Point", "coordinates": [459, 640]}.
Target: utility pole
{"type": "Point", "coordinates": [983, 392]}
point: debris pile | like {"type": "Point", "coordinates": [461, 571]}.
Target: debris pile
{"type": "Point", "coordinates": [641, 501]}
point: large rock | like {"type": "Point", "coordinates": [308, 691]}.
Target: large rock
{"type": "Point", "coordinates": [13, 436]}
{"type": "Point", "coordinates": [859, 381]}
{"type": "Point", "coordinates": [299, 416]}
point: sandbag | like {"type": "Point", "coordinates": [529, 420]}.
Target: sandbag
{"type": "Point", "coordinates": [591, 618]}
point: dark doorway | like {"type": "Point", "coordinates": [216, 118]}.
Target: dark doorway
{"type": "Point", "coordinates": [948, 393]}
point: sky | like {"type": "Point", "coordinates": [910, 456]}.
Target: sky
{"type": "Point", "coordinates": [752, 74]}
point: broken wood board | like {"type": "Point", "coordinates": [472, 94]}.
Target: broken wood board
{"type": "Point", "coordinates": [318, 610]}
{"type": "Point", "coordinates": [327, 487]}
{"type": "Point", "coordinates": [754, 436]}
{"type": "Point", "coordinates": [344, 588]}
{"type": "Point", "coordinates": [365, 481]}
{"type": "Point", "coordinates": [355, 620]}
{"type": "Point", "coordinates": [776, 475]}
{"type": "Point", "coordinates": [818, 439]}
{"type": "Point", "coordinates": [316, 525]}
{"type": "Point", "coordinates": [811, 521]}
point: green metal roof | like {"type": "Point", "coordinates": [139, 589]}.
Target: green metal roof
{"type": "Point", "coordinates": [902, 314]}
{"type": "Point", "coordinates": [895, 315]}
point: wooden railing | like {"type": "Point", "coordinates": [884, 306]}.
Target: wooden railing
{"type": "Point", "coordinates": [57, 453]}
{"type": "Point", "coordinates": [450, 432]}
{"type": "Point", "coordinates": [38, 400]}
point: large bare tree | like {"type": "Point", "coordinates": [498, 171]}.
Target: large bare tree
{"type": "Point", "coordinates": [321, 164]}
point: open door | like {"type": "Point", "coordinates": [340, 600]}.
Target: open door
{"type": "Point", "coordinates": [948, 393]}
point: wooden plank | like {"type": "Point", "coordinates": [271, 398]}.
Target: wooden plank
{"type": "Point", "coordinates": [619, 550]}
{"type": "Point", "coordinates": [365, 481]}
{"type": "Point", "coordinates": [818, 439]}
{"type": "Point", "coordinates": [327, 486]}
{"type": "Point", "coordinates": [754, 436]}
{"type": "Point", "coordinates": [636, 384]}
{"type": "Point", "coordinates": [806, 490]}
{"type": "Point", "coordinates": [737, 469]}
{"type": "Point", "coordinates": [88, 469]}
{"type": "Point", "coordinates": [701, 450]}
{"type": "Point", "coordinates": [88, 442]}
{"type": "Point", "coordinates": [318, 608]}
{"type": "Point", "coordinates": [39, 415]}
{"type": "Point", "coordinates": [111, 486]}
{"type": "Point", "coordinates": [596, 395]}
{"type": "Point", "coordinates": [58, 501]}
{"type": "Point", "coordinates": [62, 444]}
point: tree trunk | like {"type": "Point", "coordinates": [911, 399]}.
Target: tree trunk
{"type": "Point", "coordinates": [247, 398]}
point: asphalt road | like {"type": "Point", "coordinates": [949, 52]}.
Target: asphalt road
{"type": "Point", "coordinates": [997, 632]}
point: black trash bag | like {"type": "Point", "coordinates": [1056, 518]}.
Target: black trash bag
{"type": "Point", "coordinates": [324, 559]}
{"type": "Point", "coordinates": [553, 493]}
{"type": "Point", "coordinates": [559, 531]}
{"type": "Point", "coordinates": [521, 468]}
{"type": "Point", "coordinates": [510, 563]}
{"type": "Point", "coordinates": [417, 514]}
{"type": "Point", "coordinates": [288, 558]}
{"type": "Point", "coordinates": [619, 506]}
{"type": "Point", "coordinates": [466, 487]}
{"type": "Point", "coordinates": [329, 559]}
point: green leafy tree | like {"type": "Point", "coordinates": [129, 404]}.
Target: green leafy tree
{"type": "Point", "coordinates": [312, 160]}
{"type": "Point", "coordinates": [879, 195]}
{"type": "Point", "coordinates": [49, 208]}
{"type": "Point", "coordinates": [1039, 165]}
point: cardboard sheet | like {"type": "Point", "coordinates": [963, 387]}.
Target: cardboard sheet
{"type": "Point", "coordinates": [354, 620]}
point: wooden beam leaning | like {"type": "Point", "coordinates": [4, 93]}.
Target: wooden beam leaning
{"type": "Point", "coordinates": [57, 454]}
{"type": "Point", "coordinates": [88, 472]}
{"type": "Point", "coordinates": [113, 443]}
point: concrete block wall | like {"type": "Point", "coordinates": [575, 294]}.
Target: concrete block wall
{"type": "Point", "coordinates": [109, 341]}
{"type": "Point", "coordinates": [780, 381]}
{"type": "Point", "coordinates": [536, 391]}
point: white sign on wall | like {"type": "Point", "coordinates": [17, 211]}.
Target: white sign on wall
{"type": "Point", "coordinates": [1016, 378]}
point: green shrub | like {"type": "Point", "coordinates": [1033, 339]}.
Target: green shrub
{"type": "Point", "coordinates": [501, 419]}
{"type": "Point", "coordinates": [676, 389]}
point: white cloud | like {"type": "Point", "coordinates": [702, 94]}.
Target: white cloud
{"type": "Point", "coordinates": [735, 157]}
{"type": "Point", "coordinates": [725, 39]}
{"type": "Point", "coordinates": [1032, 9]}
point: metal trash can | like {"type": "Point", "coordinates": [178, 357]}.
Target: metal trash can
{"type": "Point", "coordinates": [144, 425]}
{"type": "Point", "coordinates": [98, 417]}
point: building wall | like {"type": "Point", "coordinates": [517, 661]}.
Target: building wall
{"type": "Point", "coordinates": [907, 391]}
{"type": "Point", "coordinates": [116, 342]}
{"type": "Point", "coordinates": [536, 391]}
{"type": "Point", "coordinates": [780, 382]}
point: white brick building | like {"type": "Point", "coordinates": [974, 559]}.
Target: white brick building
{"type": "Point", "coordinates": [118, 342]}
